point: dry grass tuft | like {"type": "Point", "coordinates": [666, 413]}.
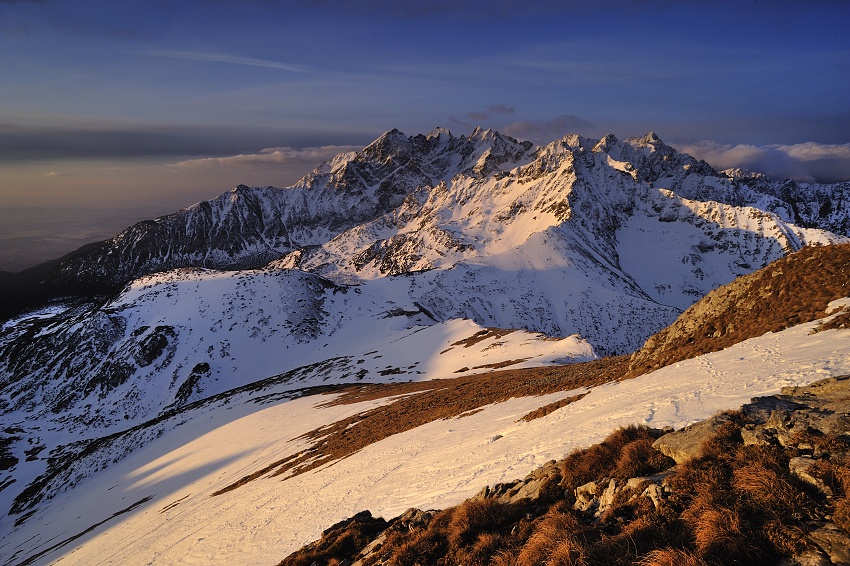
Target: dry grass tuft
{"type": "Point", "coordinates": [555, 529]}
{"type": "Point", "coordinates": [841, 515]}
{"type": "Point", "coordinates": [626, 453]}
{"type": "Point", "coordinates": [474, 517]}
{"type": "Point", "coordinates": [761, 476]}
{"type": "Point", "coordinates": [671, 557]}
{"type": "Point", "coordinates": [339, 542]}
{"type": "Point", "coordinates": [568, 552]}
{"type": "Point", "coordinates": [720, 532]}
{"type": "Point", "coordinates": [639, 458]}
{"type": "Point", "coordinates": [421, 544]}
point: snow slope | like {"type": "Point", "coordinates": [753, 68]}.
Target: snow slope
{"type": "Point", "coordinates": [583, 237]}
{"type": "Point", "coordinates": [175, 519]}
{"type": "Point", "coordinates": [417, 258]}
{"type": "Point", "coordinates": [186, 335]}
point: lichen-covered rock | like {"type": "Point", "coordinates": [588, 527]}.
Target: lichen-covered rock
{"type": "Point", "coordinates": [687, 443]}
{"type": "Point", "coordinates": [833, 542]}
{"type": "Point", "coordinates": [801, 467]}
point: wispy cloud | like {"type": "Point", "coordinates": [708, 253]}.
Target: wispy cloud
{"type": "Point", "coordinates": [55, 174]}
{"type": "Point", "coordinates": [483, 117]}
{"type": "Point", "coordinates": [270, 155]}
{"type": "Point", "coordinates": [544, 131]}
{"type": "Point", "coordinates": [808, 161]}
{"type": "Point", "coordinates": [232, 59]}
{"type": "Point", "coordinates": [490, 111]}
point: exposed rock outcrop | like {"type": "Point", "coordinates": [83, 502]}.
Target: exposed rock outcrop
{"type": "Point", "coordinates": [784, 461]}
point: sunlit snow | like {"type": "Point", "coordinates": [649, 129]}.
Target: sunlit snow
{"type": "Point", "coordinates": [433, 466]}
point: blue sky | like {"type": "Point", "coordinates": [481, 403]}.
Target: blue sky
{"type": "Point", "coordinates": [155, 105]}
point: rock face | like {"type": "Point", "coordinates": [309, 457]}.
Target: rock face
{"type": "Point", "coordinates": [820, 408]}
{"type": "Point", "coordinates": [686, 444]}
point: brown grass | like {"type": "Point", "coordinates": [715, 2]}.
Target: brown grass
{"type": "Point", "coordinates": [420, 545]}
{"type": "Point", "coordinates": [615, 457]}
{"type": "Point", "coordinates": [790, 291]}
{"type": "Point", "coordinates": [476, 532]}
{"type": "Point", "coordinates": [841, 514]}
{"type": "Point", "coordinates": [761, 476]}
{"type": "Point", "coordinates": [552, 407]}
{"type": "Point", "coordinates": [418, 403]}
{"type": "Point", "coordinates": [500, 365]}
{"type": "Point", "coordinates": [555, 529]}
{"type": "Point", "coordinates": [474, 517]}
{"type": "Point", "coordinates": [480, 336]}
{"type": "Point", "coordinates": [840, 321]}
{"type": "Point", "coordinates": [719, 533]}
{"type": "Point", "coordinates": [671, 557]}
{"type": "Point", "coordinates": [736, 504]}
{"type": "Point", "coordinates": [339, 542]}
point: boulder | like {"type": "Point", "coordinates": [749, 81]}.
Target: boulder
{"type": "Point", "coordinates": [833, 542]}
{"type": "Point", "coordinates": [687, 443]}
{"type": "Point", "coordinates": [801, 467]}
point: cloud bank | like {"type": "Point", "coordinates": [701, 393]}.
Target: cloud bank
{"type": "Point", "coordinates": [807, 162]}
{"type": "Point", "coordinates": [25, 143]}
{"type": "Point", "coordinates": [273, 155]}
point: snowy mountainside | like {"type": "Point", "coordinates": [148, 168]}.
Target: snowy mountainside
{"type": "Point", "coordinates": [249, 226]}
{"type": "Point", "coordinates": [157, 504]}
{"type": "Point", "coordinates": [80, 380]}
{"type": "Point", "coordinates": [822, 205]}
{"type": "Point", "coordinates": [583, 229]}
{"type": "Point", "coordinates": [185, 335]}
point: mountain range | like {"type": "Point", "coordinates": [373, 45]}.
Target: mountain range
{"type": "Point", "coordinates": [416, 259]}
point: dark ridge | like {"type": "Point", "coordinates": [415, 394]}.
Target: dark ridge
{"type": "Point", "coordinates": [33, 288]}
{"type": "Point", "coordinates": [792, 290]}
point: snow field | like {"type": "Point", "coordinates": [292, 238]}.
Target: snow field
{"type": "Point", "coordinates": [433, 466]}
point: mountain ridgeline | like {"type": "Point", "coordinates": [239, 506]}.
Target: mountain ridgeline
{"type": "Point", "coordinates": [592, 187]}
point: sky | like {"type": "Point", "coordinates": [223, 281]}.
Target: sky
{"type": "Point", "coordinates": [112, 112]}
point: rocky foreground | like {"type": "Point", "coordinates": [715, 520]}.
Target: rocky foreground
{"type": "Point", "coordinates": [768, 484]}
